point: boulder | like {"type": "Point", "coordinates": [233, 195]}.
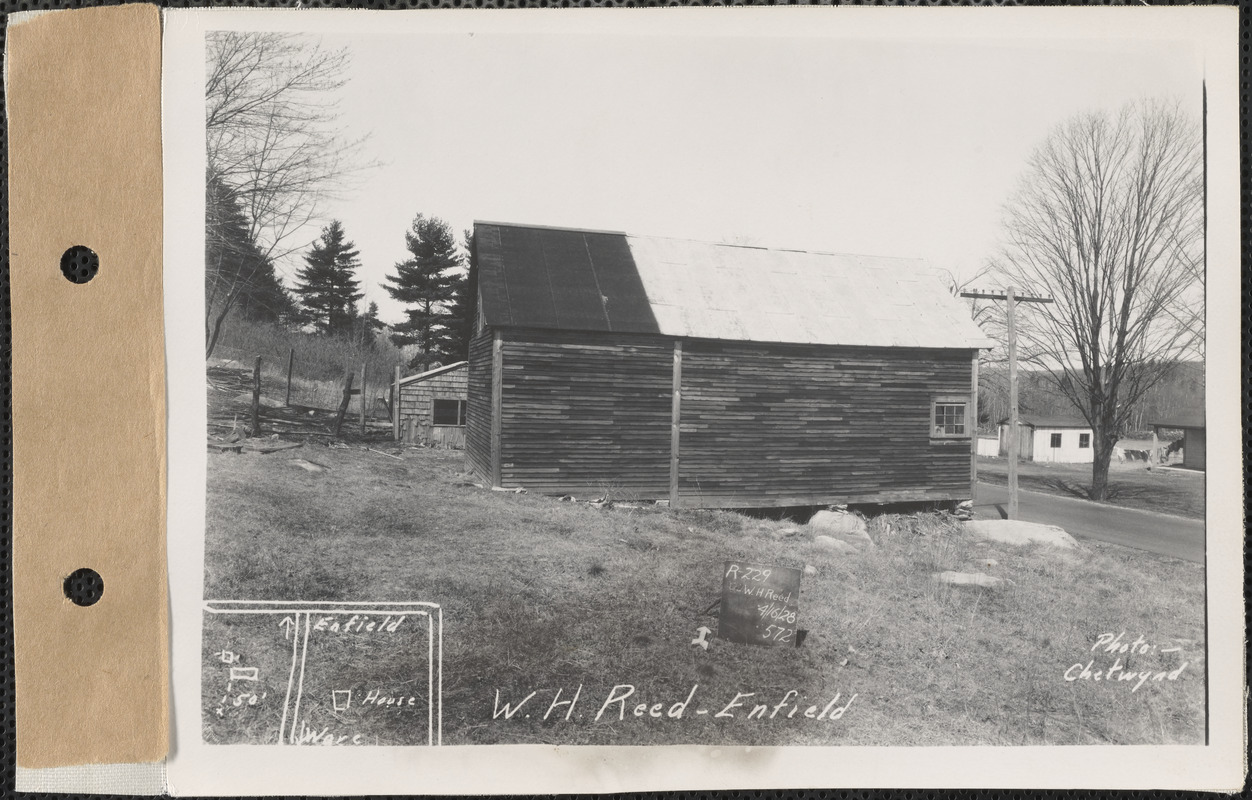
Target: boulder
{"type": "Point", "coordinates": [978, 579]}
{"type": "Point", "coordinates": [1017, 532]}
{"type": "Point", "coordinates": [834, 545]}
{"type": "Point", "coordinates": [810, 571]}
{"type": "Point", "coordinates": [842, 525]}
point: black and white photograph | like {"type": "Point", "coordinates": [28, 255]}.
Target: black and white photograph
{"type": "Point", "coordinates": [739, 383]}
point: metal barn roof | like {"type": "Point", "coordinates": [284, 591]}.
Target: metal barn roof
{"type": "Point", "coordinates": [605, 281]}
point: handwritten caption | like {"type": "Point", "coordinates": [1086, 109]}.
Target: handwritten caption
{"type": "Point", "coordinates": [1122, 650]}
{"type": "Point", "coordinates": [621, 703]}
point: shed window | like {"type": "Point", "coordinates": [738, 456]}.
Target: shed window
{"type": "Point", "coordinates": [448, 412]}
{"type": "Point", "coordinates": [1056, 440]}
{"type": "Point", "coordinates": [1084, 440]}
{"type": "Point", "coordinates": [948, 417]}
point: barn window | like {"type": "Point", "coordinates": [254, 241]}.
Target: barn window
{"type": "Point", "coordinates": [948, 415]}
{"type": "Point", "coordinates": [1084, 440]}
{"type": "Point", "coordinates": [448, 412]}
{"type": "Point", "coordinates": [1055, 440]}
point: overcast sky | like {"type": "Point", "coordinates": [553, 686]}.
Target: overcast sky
{"type": "Point", "coordinates": [886, 148]}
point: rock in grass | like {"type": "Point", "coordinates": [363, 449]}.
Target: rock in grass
{"type": "Point", "coordinates": [979, 579]}
{"type": "Point", "coordinates": [834, 545]}
{"type": "Point", "coordinates": [265, 402]}
{"type": "Point", "coordinates": [1017, 532]}
{"type": "Point", "coordinates": [842, 525]}
{"type": "Point", "coordinates": [308, 465]}
{"type": "Point", "coordinates": [810, 571]}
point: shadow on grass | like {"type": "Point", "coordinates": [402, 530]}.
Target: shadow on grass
{"type": "Point", "coordinates": [1112, 492]}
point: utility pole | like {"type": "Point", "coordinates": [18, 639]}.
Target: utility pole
{"type": "Point", "coordinates": [1010, 299]}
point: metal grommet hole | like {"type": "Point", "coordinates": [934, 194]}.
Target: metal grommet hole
{"type": "Point", "coordinates": [84, 587]}
{"type": "Point", "coordinates": [79, 264]}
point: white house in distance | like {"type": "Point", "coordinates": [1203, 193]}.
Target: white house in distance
{"type": "Point", "coordinates": [1065, 440]}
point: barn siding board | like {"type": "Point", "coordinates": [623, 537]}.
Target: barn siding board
{"type": "Point", "coordinates": [586, 413]}
{"type": "Point", "coordinates": [772, 423]}
{"type": "Point", "coordinates": [478, 409]}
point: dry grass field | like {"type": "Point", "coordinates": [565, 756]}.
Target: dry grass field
{"type": "Point", "coordinates": [540, 595]}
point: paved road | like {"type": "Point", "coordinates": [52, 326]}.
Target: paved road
{"type": "Point", "coordinates": [1157, 533]}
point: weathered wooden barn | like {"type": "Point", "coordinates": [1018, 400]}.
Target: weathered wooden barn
{"type": "Point", "coordinates": [430, 407]}
{"type": "Point", "coordinates": [714, 375]}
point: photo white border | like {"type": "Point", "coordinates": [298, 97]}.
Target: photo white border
{"type": "Point", "coordinates": [196, 768]}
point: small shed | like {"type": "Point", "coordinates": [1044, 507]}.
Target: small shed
{"type": "Point", "coordinates": [716, 375]}
{"type": "Point", "coordinates": [1193, 444]}
{"type": "Point", "coordinates": [429, 407]}
{"type": "Point", "coordinates": [1054, 439]}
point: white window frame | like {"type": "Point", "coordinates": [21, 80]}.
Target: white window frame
{"type": "Point", "coordinates": [949, 400]}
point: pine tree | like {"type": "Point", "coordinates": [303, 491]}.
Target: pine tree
{"type": "Point", "coordinates": [235, 269]}
{"type": "Point", "coordinates": [465, 305]}
{"type": "Point", "coordinates": [327, 288]}
{"type": "Point", "coordinates": [427, 283]}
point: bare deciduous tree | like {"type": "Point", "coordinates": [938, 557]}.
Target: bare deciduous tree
{"type": "Point", "coordinates": [1109, 221]}
{"type": "Point", "coordinates": [273, 144]}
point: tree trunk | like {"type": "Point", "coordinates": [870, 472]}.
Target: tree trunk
{"type": "Point", "coordinates": [227, 304]}
{"type": "Point", "coordinates": [1103, 446]}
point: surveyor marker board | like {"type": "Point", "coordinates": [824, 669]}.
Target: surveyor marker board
{"type": "Point", "coordinates": [760, 604]}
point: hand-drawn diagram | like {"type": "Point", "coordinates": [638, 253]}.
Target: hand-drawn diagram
{"type": "Point", "coordinates": [322, 673]}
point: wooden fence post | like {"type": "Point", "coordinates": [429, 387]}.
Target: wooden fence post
{"type": "Point", "coordinates": [363, 398]}
{"type": "Point", "coordinates": [291, 362]}
{"type": "Point", "coordinates": [395, 403]}
{"type": "Point", "coordinates": [256, 398]}
{"type": "Point", "coordinates": [343, 404]}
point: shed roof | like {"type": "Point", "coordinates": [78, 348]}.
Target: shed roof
{"type": "Point", "coordinates": [1043, 421]}
{"type": "Point", "coordinates": [430, 373]}
{"type": "Point", "coordinates": [606, 281]}
{"type": "Point", "coordinates": [1186, 419]}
